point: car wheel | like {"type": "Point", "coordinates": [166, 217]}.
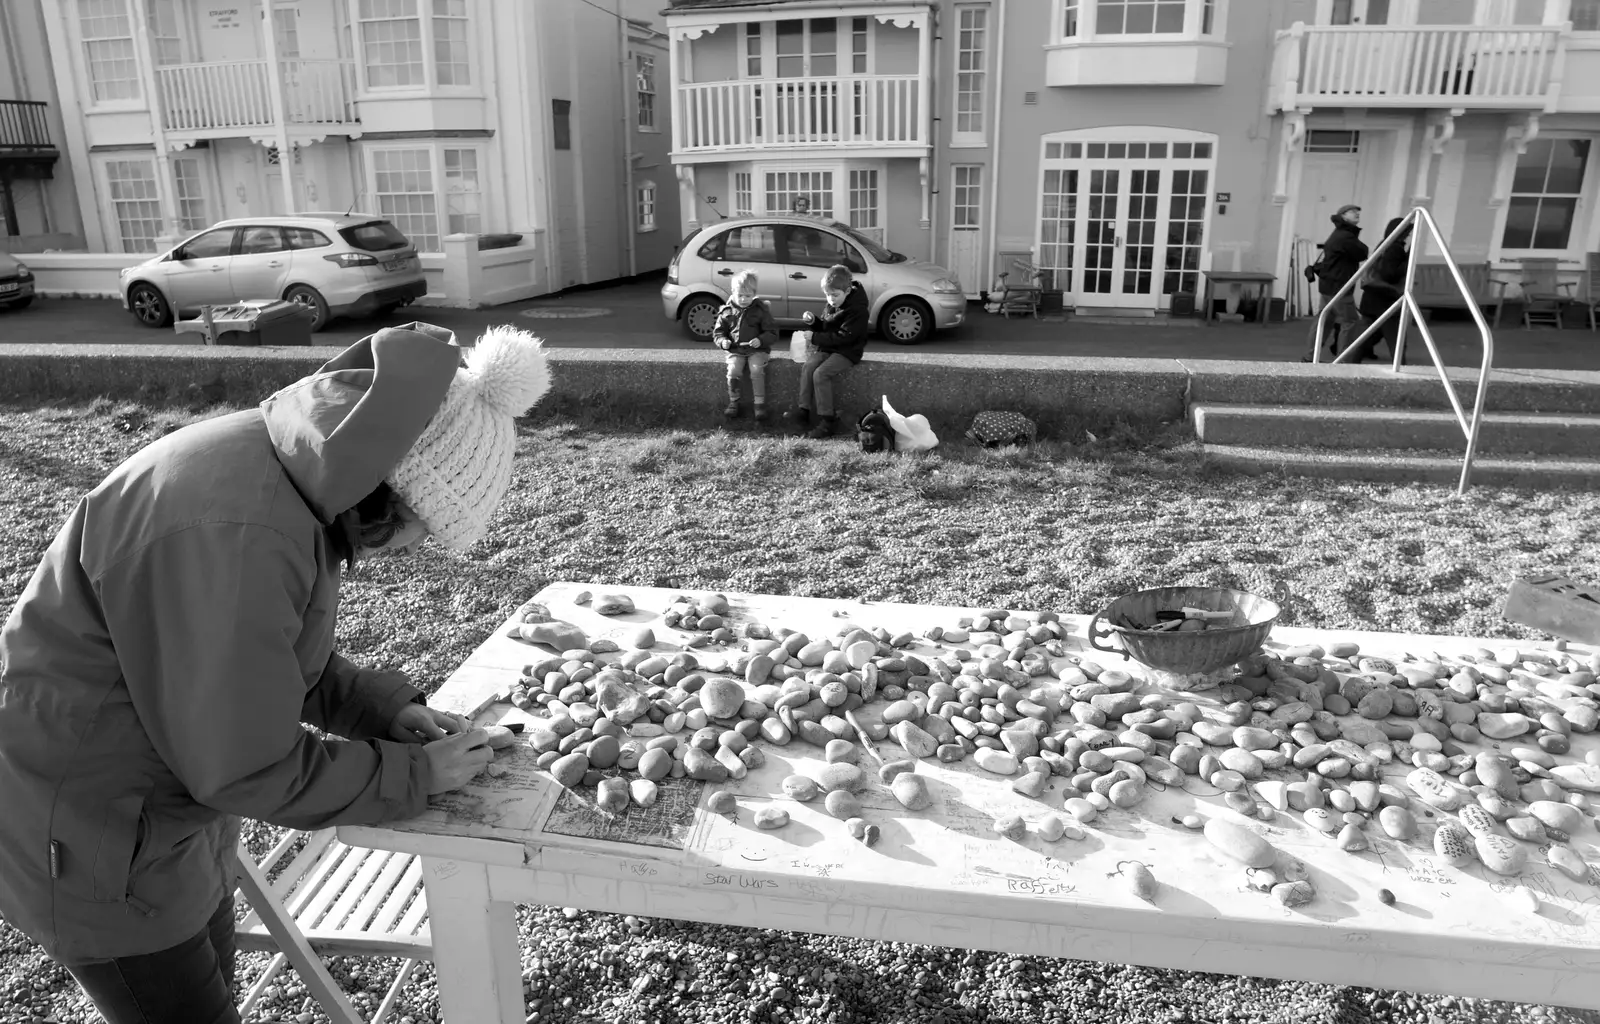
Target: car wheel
{"type": "Point", "coordinates": [22, 303]}
{"type": "Point", "coordinates": [309, 297]}
{"type": "Point", "coordinates": [149, 306]}
{"type": "Point", "coordinates": [699, 316]}
{"type": "Point", "coordinates": [906, 321]}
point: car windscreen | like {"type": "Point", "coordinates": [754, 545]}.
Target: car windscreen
{"type": "Point", "coordinates": [374, 236]}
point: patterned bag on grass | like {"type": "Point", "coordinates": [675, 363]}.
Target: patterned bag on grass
{"type": "Point", "coordinates": [999, 428]}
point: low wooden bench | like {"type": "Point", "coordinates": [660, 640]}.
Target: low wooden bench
{"type": "Point", "coordinates": [1434, 288]}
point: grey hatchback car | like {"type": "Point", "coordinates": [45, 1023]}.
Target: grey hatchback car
{"type": "Point", "coordinates": [909, 298]}
{"type": "Point", "coordinates": [334, 264]}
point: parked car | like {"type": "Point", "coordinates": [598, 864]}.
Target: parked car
{"type": "Point", "coordinates": [334, 264]}
{"type": "Point", "coordinates": [909, 298]}
{"type": "Point", "coordinates": [16, 283]}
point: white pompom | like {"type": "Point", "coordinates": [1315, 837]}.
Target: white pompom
{"type": "Point", "coordinates": [508, 369]}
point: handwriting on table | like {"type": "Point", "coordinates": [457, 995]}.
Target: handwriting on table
{"type": "Point", "coordinates": [738, 880]}
{"type": "Point", "coordinates": [1040, 886]}
{"type": "Point", "coordinates": [640, 868]}
{"type": "Point", "coordinates": [1428, 872]}
{"type": "Point", "coordinates": [823, 870]}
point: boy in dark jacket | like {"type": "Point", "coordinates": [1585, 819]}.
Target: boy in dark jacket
{"type": "Point", "coordinates": [746, 331]}
{"type": "Point", "coordinates": [1342, 255]}
{"type": "Point", "coordinates": [839, 337]}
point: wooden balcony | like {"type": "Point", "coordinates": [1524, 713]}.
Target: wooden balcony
{"type": "Point", "coordinates": [217, 99]}
{"type": "Point", "coordinates": [1420, 66]}
{"type": "Point", "coordinates": [860, 112]}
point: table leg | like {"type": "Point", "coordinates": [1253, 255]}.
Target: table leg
{"type": "Point", "coordinates": [476, 951]}
{"type": "Point", "coordinates": [1205, 312]}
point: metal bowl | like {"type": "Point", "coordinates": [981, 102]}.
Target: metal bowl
{"type": "Point", "coordinates": [1186, 653]}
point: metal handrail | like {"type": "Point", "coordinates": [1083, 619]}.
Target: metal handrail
{"type": "Point", "coordinates": [1407, 303]}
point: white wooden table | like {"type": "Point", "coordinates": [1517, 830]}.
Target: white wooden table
{"type": "Point", "coordinates": [943, 876]}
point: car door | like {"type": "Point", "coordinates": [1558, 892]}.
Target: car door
{"type": "Point", "coordinates": [808, 252]}
{"type": "Point", "coordinates": [751, 247]}
{"type": "Point", "coordinates": [260, 268]}
{"type": "Point", "coordinates": [197, 274]}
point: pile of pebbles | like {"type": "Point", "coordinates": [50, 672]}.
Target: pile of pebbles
{"type": "Point", "coordinates": [1307, 731]}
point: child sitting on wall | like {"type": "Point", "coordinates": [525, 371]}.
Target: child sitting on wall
{"type": "Point", "coordinates": [746, 331]}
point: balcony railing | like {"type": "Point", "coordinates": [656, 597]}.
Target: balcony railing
{"type": "Point", "coordinates": [23, 126]}
{"type": "Point", "coordinates": [198, 97]}
{"type": "Point", "coordinates": [861, 111]}
{"type": "Point", "coordinates": [1417, 66]}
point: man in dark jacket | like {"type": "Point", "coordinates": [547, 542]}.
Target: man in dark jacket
{"type": "Point", "coordinates": [1342, 255]}
{"type": "Point", "coordinates": [157, 668]}
{"type": "Point", "coordinates": [839, 338]}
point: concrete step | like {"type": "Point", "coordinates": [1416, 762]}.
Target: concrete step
{"type": "Point", "coordinates": [1343, 427]}
{"type": "Point", "coordinates": [1442, 467]}
{"type": "Point", "coordinates": [1375, 386]}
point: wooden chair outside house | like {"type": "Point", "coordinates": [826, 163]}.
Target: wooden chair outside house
{"type": "Point", "coordinates": [332, 900]}
{"type": "Point", "coordinates": [1023, 294]}
{"type": "Point", "coordinates": [1545, 297]}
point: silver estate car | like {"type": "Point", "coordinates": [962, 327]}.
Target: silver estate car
{"type": "Point", "coordinates": [334, 264]}
{"type": "Point", "coordinates": [909, 299]}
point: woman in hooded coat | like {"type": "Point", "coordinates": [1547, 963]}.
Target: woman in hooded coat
{"type": "Point", "coordinates": [155, 673]}
{"type": "Point", "coordinates": [1385, 280]}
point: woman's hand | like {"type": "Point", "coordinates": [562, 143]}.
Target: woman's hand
{"type": "Point", "coordinates": [418, 723]}
{"type": "Point", "coordinates": [456, 760]}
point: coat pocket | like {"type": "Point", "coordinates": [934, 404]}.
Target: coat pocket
{"type": "Point", "coordinates": [119, 840]}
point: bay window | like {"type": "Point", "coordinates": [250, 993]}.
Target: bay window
{"type": "Point", "coordinates": [1137, 42]}
{"type": "Point", "coordinates": [1109, 20]}
{"type": "Point", "coordinates": [414, 44]}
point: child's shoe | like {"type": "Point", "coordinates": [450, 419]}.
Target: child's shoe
{"type": "Point", "coordinates": [824, 428]}
{"type": "Point", "coordinates": [761, 412]}
{"type": "Point", "coordinates": [731, 410]}
{"type": "Point", "coordinates": [799, 416]}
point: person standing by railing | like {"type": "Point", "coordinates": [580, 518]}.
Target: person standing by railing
{"type": "Point", "coordinates": [1342, 255]}
{"type": "Point", "coordinates": [1385, 280]}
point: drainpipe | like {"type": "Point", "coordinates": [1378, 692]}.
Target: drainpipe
{"type": "Point", "coordinates": [628, 214]}
{"type": "Point", "coordinates": [935, 107]}
{"type": "Point", "coordinates": [280, 108]}
{"type": "Point", "coordinates": [994, 149]}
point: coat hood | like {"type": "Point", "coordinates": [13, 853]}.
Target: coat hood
{"type": "Point", "coordinates": [1340, 222]}
{"type": "Point", "coordinates": [342, 430]}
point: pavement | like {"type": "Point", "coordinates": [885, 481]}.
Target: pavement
{"type": "Point", "coordinates": [629, 315]}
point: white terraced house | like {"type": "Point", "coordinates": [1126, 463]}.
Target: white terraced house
{"type": "Point", "coordinates": [1126, 147]}
{"type": "Point", "coordinates": [445, 116]}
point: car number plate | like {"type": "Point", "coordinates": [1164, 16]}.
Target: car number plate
{"type": "Point", "coordinates": [399, 264]}
{"type": "Point", "coordinates": [9, 286]}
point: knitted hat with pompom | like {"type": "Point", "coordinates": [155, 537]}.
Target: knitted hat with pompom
{"type": "Point", "coordinates": [460, 467]}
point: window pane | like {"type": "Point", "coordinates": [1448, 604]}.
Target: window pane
{"type": "Point", "coordinates": [189, 192]}
{"type": "Point", "coordinates": [132, 187]}
{"type": "Point", "coordinates": [1533, 166]}
{"type": "Point", "coordinates": [463, 195]}
{"type": "Point", "coordinates": [450, 43]}
{"type": "Point", "coordinates": [261, 239]}
{"type": "Point", "coordinates": [1521, 213]}
{"type": "Point", "coordinates": [1585, 15]}
{"type": "Point", "coordinates": [1567, 160]}
{"type": "Point", "coordinates": [809, 247]}
{"type": "Point", "coordinates": [108, 50]}
{"type": "Point", "coordinates": [1553, 227]}
{"type": "Point", "coordinates": [1169, 17]}
{"type": "Point", "coordinates": [211, 245]}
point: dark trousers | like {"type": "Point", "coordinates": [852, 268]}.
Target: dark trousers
{"type": "Point", "coordinates": [191, 983]}
{"type": "Point", "coordinates": [818, 376]}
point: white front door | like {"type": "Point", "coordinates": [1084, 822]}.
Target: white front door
{"type": "Point", "coordinates": [1327, 182]}
{"type": "Point", "coordinates": [966, 228]}
{"type": "Point", "coordinates": [274, 195]}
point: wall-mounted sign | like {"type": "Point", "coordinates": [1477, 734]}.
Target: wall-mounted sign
{"type": "Point", "coordinates": [223, 17]}
{"type": "Point", "coordinates": [1224, 197]}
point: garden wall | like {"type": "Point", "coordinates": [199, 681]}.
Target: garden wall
{"type": "Point", "coordinates": [672, 387]}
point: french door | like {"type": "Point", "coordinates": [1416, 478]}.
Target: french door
{"type": "Point", "coordinates": [1123, 224]}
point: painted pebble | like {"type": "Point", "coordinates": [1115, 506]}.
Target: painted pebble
{"type": "Point", "coordinates": [1320, 819]}
{"type": "Point", "coordinates": [1501, 855]}
{"type": "Point", "coordinates": [801, 788]}
{"type": "Point", "coordinates": [1431, 788]}
{"type": "Point", "coordinates": [1454, 844]}
{"type": "Point", "coordinates": [1294, 894]}
{"type": "Point", "coordinates": [1351, 839]}
{"type": "Point", "coordinates": [1477, 820]}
